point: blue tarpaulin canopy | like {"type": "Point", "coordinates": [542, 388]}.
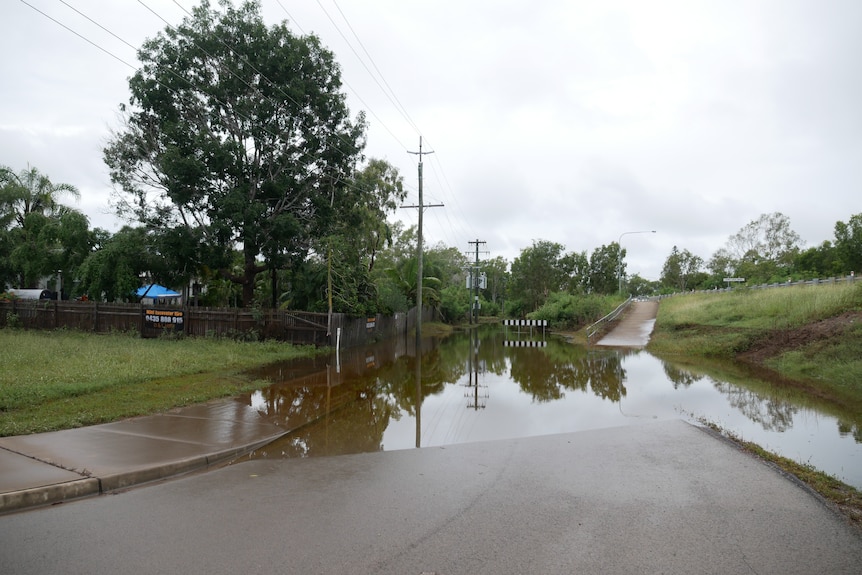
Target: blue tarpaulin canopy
{"type": "Point", "coordinates": [154, 291]}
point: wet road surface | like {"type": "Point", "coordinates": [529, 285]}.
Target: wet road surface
{"type": "Point", "coordinates": [663, 497]}
{"type": "Point", "coordinates": [635, 327]}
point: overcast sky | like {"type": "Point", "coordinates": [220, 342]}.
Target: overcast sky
{"type": "Point", "coordinates": [571, 121]}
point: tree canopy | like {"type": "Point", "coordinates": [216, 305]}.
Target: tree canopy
{"type": "Point", "coordinates": [680, 268]}
{"type": "Point", "coordinates": [848, 243]}
{"type": "Point", "coordinates": [40, 236]}
{"type": "Point", "coordinates": [237, 133]}
{"type": "Point", "coordinates": [537, 272]}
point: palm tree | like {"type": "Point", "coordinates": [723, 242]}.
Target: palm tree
{"type": "Point", "coordinates": [32, 220]}
{"type": "Point", "coordinates": [28, 192]}
{"type": "Point", "coordinates": [405, 278]}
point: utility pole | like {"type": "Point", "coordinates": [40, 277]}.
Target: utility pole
{"type": "Point", "coordinates": [421, 207]}
{"type": "Point", "coordinates": [474, 276]}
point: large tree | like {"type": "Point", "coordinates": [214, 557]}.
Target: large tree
{"type": "Point", "coordinates": [538, 272]}
{"type": "Point", "coordinates": [352, 232]}
{"type": "Point", "coordinates": [577, 265]}
{"type": "Point", "coordinates": [764, 247]}
{"type": "Point", "coordinates": [496, 271]}
{"type": "Point", "coordinates": [820, 261]}
{"type": "Point", "coordinates": [114, 271]}
{"type": "Point", "coordinates": [607, 268]}
{"type": "Point", "coordinates": [848, 243]}
{"type": "Point", "coordinates": [680, 268]}
{"type": "Point", "coordinates": [238, 132]}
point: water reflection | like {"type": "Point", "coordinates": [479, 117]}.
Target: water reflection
{"type": "Point", "coordinates": [482, 386]}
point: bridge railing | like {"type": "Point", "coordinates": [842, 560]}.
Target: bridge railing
{"type": "Point", "coordinates": [812, 282]}
{"type": "Point", "coordinates": [600, 325]}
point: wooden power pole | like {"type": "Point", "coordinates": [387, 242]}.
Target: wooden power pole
{"type": "Point", "coordinates": [421, 207]}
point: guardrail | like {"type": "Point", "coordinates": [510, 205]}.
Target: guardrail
{"type": "Point", "coordinates": [596, 327]}
{"type": "Point", "coordinates": [814, 282]}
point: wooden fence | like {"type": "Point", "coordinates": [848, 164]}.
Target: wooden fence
{"type": "Point", "coordinates": [241, 323]}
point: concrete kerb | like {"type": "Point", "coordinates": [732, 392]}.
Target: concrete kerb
{"type": "Point", "coordinates": [98, 485]}
{"type": "Point", "coordinates": [235, 452]}
{"type": "Point", "coordinates": [48, 494]}
{"type": "Point", "coordinates": [144, 475]}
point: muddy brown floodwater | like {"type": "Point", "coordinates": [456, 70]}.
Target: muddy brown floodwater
{"type": "Point", "coordinates": [498, 383]}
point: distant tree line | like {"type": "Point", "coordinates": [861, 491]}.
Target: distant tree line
{"type": "Point", "coordinates": [766, 250]}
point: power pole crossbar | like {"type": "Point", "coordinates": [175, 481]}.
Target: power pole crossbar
{"type": "Point", "coordinates": [474, 275]}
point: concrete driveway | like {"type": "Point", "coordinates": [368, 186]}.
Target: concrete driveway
{"type": "Point", "coordinates": [635, 327]}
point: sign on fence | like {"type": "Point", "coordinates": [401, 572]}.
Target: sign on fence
{"type": "Point", "coordinates": [162, 320]}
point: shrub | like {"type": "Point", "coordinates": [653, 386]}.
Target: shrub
{"type": "Point", "coordinates": [567, 311]}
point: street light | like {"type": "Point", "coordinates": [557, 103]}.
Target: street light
{"type": "Point", "coordinates": [620, 246]}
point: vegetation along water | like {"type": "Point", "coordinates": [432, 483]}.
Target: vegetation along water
{"type": "Point", "coordinates": [810, 335]}
{"type": "Point", "coordinates": [62, 379]}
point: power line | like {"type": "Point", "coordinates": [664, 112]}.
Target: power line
{"type": "Point", "coordinates": [394, 99]}
{"type": "Point", "coordinates": [438, 170]}
{"type": "Point", "coordinates": [355, 93]}
{"type": "Point", "coordinates": [311, 165]}
{"type": "Point", "coordinates": [475, 282]}
{"type": "Point", "coordinates": [97, 24]}
{"type": "Point", "coordinates": [292, 19]}
{"type": "Point", "coordinates": [82, 37]}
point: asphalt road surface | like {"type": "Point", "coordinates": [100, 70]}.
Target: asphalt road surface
{"type": "Point", "coordinates": [664, 497]}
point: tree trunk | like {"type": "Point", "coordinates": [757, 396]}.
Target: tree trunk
{"type": "Point", "coordinates": [250, 270]}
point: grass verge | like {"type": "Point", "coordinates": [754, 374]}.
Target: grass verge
{"type": "Point", "coordinates": [811, 334]}
{"type": "Point", "coordinates": [55, 380]}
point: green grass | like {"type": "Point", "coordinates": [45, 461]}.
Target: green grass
{"type": "Point", "coordinates": [61, 379]}
{"type": "Point", "coordinates": [835, 362]}
{"type": "Point", "coordinates": [761, 309]}
{"type": "Point", "coordinates": [724, 325]}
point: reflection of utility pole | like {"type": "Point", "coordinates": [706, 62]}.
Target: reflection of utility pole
{"type": "Point", "coordinates": [474, 372]}
{"type": "Point", "coordinates": [418, 398]}
{"type": "Point", "coordinates": [421, 207]}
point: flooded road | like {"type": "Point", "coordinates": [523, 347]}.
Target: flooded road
{"type": "Point", "coordinates": [496, 383]}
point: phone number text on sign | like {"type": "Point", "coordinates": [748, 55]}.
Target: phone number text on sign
{"type": "Point", "coordinates": [159, 317]}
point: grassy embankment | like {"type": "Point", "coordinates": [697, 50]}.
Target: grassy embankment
{"type": "Point", "coordinates": [54, 380]}
{"type": "Point", "coordinates": [810, 335]}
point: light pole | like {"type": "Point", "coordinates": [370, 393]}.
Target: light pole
{"type": "Point", "coordinates": [620, 246]}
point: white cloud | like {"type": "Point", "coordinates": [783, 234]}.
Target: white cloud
{"type": "Point", "coordinates": [569, 121]}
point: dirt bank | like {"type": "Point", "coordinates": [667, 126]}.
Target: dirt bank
{"type": "Point", "coordinates": [783, 341]}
